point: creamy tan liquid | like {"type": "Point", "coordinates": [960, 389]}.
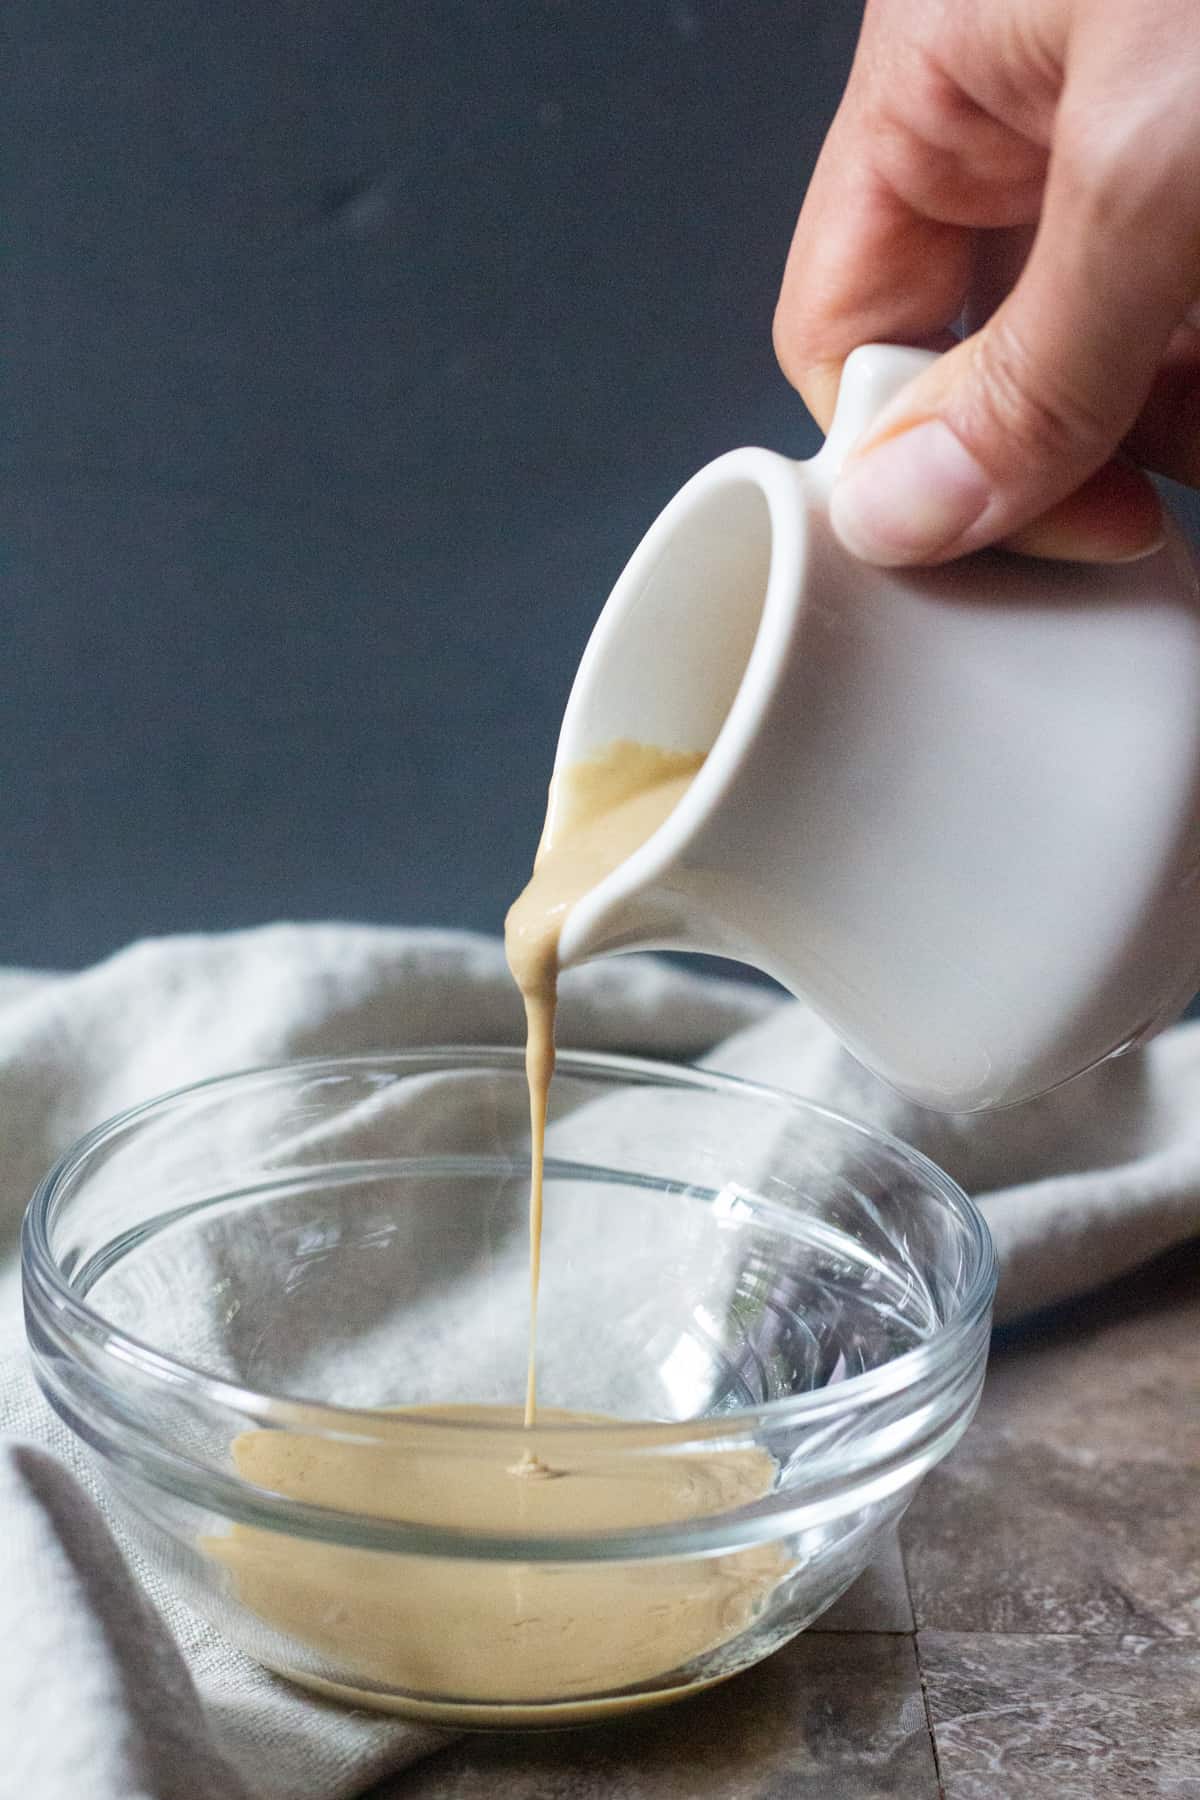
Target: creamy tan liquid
{"type": "Point", "coordinates": [488, 1632]}
{"type": "Point", "coordinates": [500, 1636]}
{"type": "Point", "coordinates": [602, 811]}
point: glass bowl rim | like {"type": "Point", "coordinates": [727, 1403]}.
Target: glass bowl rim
{"type": "Point", "coordinates": [41, 1270]}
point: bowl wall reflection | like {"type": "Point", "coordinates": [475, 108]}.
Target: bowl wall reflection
{"type": "Point", "coordinates": [284, 1309]}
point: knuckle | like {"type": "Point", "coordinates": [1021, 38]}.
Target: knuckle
{"type": "Point", "coordinates": [1034, 412]}
{"type": "Point", "coordinates": [1121, 163]}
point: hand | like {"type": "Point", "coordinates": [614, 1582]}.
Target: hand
{"type": "Point", "coordinates": [1031, 167]}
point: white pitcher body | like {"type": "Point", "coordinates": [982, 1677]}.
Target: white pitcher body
{"type": "Point", "coordinates": [955, 810]}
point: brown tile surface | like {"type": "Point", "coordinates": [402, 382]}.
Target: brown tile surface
{"type": "Point", "coordinates": [1072, 1718]}
{"type": "Point", "coordinates": [1073, 1504]}
{"type": "Point", "coordinates": [831, 1717]}
{"type": "Point", "coordinates": [1115, 1377]}
{"type": "Point", "coordinates": [1026, 1538]}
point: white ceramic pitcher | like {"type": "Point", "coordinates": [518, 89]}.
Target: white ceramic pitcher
{"type": "Point", "coordinates": [956, 810]}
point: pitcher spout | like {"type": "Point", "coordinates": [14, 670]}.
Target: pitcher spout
{"type": "Point", "coordinates": [684, 658]}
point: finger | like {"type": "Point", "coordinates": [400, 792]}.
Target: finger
{"type": "Point", "coordinates": [911, 169]}
{"type": "Point", "coordinates": [1024, 412]}
{"type": "Point", "coordinates": [1116, 516]}
{"type": "Point", "coordinates": [863, 268]}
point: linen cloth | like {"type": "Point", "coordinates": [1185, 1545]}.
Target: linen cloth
{"type": "Point", "coordinates": [108, 1692]}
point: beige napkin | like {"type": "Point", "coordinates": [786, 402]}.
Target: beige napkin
{"type": "Point", "coordinates": [104, 1695]}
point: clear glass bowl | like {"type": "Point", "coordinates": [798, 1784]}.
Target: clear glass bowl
{"type": "Point", "coordinates": [783, 1314]}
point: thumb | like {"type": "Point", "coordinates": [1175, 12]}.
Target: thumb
{"type": "Point", "coordinates": [1024, 412]}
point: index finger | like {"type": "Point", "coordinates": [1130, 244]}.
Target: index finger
{"type": "Point", "coordinates": [864, 267]}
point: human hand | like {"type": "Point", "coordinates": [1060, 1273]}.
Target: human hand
{"type": "Point", "coordinates": [1033, 168]}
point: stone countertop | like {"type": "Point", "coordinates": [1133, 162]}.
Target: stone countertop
{"type": "Point", "coordinates": [1035, 1633]}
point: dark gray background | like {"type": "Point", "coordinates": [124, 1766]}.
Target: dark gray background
{"type": "Point", "coordinates": [351, 348]}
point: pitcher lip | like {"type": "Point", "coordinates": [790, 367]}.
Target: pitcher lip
{"type": "Point", "coordinates": [777, 480]}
